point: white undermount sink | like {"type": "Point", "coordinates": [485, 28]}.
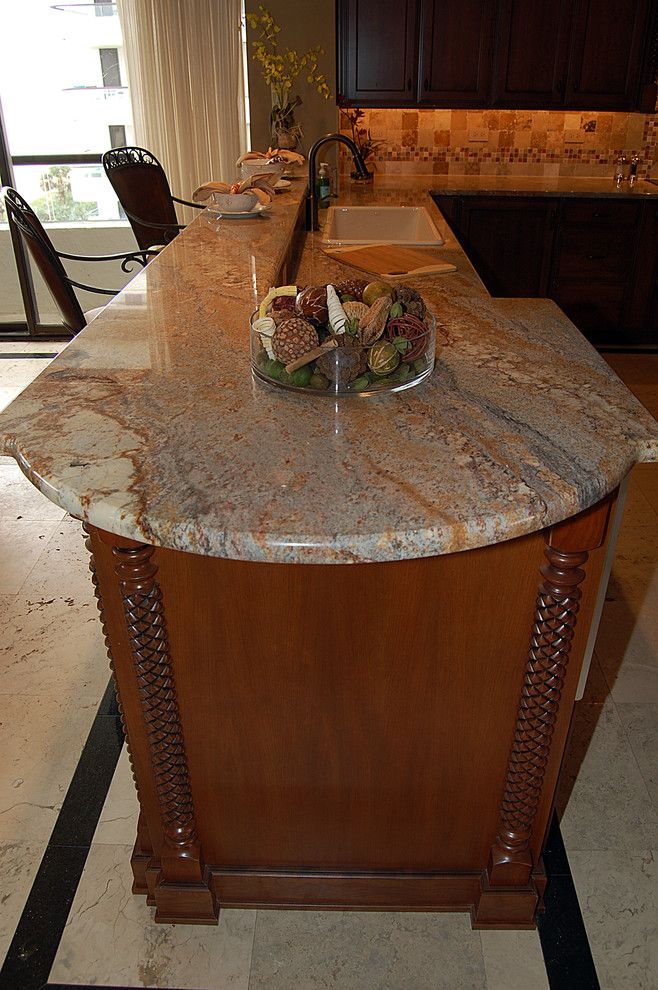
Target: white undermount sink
{"type": "Point", "coordinates": [380, 225]}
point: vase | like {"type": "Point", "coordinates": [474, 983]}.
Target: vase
{"type": "Point", "coordinates": [285, 132]}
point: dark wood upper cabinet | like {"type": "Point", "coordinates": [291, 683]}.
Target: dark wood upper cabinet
{"type": "Point", "coordinates": [607, 42]}
{"type": "Point", "coordinates": [378, 51]}
{"type": "Point", "coordinates": [534, 54]}
{"type": "Point", "coordinates": [455, 56]}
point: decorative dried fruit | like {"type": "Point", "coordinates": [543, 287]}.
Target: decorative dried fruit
{"type": "Point", "coordinates": [383, 358]}
{"type": "Point", "coordinates": [354, 309]}
{"type": "Point", "coordinates": [351, 287]}
{"type": "Point", "coordinates": [374, 290]}
{"type": "Point", "coordinates": [293, 338]}
{"type": "Point", "coordinates": [411, 300]}
{"type": "Point", "coordinates": [371, 326]}
{"type": "Point", "coordinates": [312, 304]}
{"type": "Point", "coordinates": [344, 363]}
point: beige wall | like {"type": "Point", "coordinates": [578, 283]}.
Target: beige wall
{"type": "Point", "coordinates": [304, 23]}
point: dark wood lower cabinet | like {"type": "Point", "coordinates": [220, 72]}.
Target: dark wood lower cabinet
{"type": "Point", "coordinates": [596, 258]}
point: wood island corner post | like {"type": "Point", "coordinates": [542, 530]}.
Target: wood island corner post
{"type": "Point", "coordinates": [174, 875]}
{"type": "Point", "coordinates": [508, 890]}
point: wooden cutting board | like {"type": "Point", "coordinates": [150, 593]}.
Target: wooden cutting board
{"type": "Point", "coordinates": [391, 260]}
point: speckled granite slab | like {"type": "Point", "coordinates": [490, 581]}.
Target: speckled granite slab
{"type": "Point", "coordinates": [150, 425]}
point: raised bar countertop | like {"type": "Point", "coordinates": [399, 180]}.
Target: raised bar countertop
{"type": "Point", "coordinates": [149, 424]}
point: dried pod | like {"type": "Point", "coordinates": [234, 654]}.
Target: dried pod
{"type": "Point", "coordinates": [312, 304]}
{"type": "Point", "coordinates": [351, 287]}
{"type": "Point", "coordinates": [412, 329]}
{"type": "Point", "coordinates": [355, 310]}
{"type": "Point", "coordinates": [371, 325]}
{"type": "Point", "coordinates": [283, 303]}
{"type": "Point", "coordinates": [411, 300]}
{"type": "Point", "coordinates": [293, 338]}
{"type": "Point", "coordinates": [343, 364]}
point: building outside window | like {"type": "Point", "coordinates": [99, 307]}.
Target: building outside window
{"type": "Point", "coordinates": [110, 68]}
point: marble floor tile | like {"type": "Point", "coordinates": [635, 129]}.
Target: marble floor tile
{"type": "Point", "coordinates": [21, 543]}
{"type": "Point", "coordinates": [117, 824]}
{"type": "Point", "coordinates": [627, 650]}
{"type": "Point", "coordinates": [602, 800]}
{"type": "Point", "coordinates": [19, 498]}
{"type": "Point", "coordinates": [21, 371]}
{"type": "Point", "coordinates": [640, 723]}
{"type": "Point", "coordinates": [8, 395]}
{"type": "Point", "coordinates": [513, 961]}
{"type": "Point", "coordinates": [351, 950]}
{"type": "Point", "coordinates": [41, 738]}
{"type": "Point", "coordinates": [52, 645]}
{"type": "Point", "coordinates": [110, 937]}
{"type": "Point", "coordinates": [646, 476]}
{"type": "Point", "coordinates": [63, 567]}
{"type": "Point", "coordinates": [618, 894]}
{"type": "Point", "coordinates": [19, 862]}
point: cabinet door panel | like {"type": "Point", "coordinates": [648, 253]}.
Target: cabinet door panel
{"type": "Point", "coordinates": [508, 240]}
{"type": "Point", "coordinates": [606, 54]}
{"type": "Point", "coordinates": [530, 62]}
{"type": "Point", "coordinates": [378, 60]}
{"type": "Point", "coordinates": [597, 254]}
{"type": "Point", "coordinates": [456, 52]}
{"type": "Point", "coordinates": [596, 309]}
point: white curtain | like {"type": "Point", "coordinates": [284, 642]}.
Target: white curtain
{"type": "Point", "coordinates": [185, 72]}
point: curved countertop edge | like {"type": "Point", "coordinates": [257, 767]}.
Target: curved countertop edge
{"type": "Point", "coordinates": [310, 549]}
{"type": "Point", "coordinates": [199, 535]}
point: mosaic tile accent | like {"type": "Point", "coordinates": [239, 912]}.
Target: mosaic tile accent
{"type": "Point", "coordinates": [519, 142]}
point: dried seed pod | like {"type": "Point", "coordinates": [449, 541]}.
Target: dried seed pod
{"type": "Point", "coordinates": [351, 287]}
{"type": "Point", "coordinates": [343, 364]}
{"type": "Point", "coordinates": [371, 326]}
{"type": "Point", "coordinates": [355, 310]}
{"type": "Point", "coordinates": [411, 300]}
{"type": "Point", "coordinates": [293, 338]}
{"type": "Point", "coordinates": [312, 304]}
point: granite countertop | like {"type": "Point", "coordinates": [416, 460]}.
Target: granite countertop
{"type": "Point", "coordinates": [149, 424]}
{"type": "Point", "coordinates": [531, 185]}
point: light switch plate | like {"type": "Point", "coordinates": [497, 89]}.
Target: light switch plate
{"type": "Point", "coordinates": [478, 134]}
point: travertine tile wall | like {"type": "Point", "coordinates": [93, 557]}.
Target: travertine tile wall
{"type": "Point", "coordinates": [518, 142]}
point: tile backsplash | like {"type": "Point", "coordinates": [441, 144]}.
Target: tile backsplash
{"type": "Point", "coordinates": [508, 142]}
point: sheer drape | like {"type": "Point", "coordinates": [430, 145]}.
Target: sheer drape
{"type": "Point", "coordinates": [185, 71]}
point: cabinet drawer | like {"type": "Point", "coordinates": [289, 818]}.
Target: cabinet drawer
{"type": "Point", "coordinates": [600, 211]}
{"type": "Point", "coordinates": [595, 254]}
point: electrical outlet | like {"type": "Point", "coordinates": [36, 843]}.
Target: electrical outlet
{"type": "Point", "coordinates": [478, 134]}
{"type": "Point", "coordinates": [574, 137]}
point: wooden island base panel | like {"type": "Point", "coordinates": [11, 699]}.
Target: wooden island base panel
{"type": "Point", "coordinates": [376, 736]}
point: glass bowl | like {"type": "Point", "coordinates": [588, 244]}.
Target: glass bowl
{"type": "Point", "coordinates": [348, 368]}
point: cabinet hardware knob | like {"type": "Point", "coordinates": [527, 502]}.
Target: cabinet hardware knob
{"type": "Point", "coordinates": [596, 257]}
{"type": "Point", "coordinates": [602, 216]}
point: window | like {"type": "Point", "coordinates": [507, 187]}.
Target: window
{"type": "Point", "coordinates": [110, 67]}
{"type": "Point", "coordinates": [102, 9]}
{"type": "Point", "coordinates": [117, 135]}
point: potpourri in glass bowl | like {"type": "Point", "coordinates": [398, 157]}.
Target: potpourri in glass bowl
{"type": "Point", "coordinates": [352, 338]}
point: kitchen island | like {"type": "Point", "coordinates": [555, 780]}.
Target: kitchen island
{"type": "Point", "coordinates": [346, 635]}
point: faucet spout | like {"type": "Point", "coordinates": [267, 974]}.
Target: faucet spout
{"type": "Point", "coordinates": [311, 198]}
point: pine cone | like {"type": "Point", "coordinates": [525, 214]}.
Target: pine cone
{"type": "Point", "coordinates": [344, 363]}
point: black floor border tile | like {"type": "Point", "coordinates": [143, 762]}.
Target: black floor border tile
{"type": "Point", "coordinates": [562, 933]}
{"type": "Point", "coordinates": [27, 355]}
{"type": "Point", "coordinates": [33, 948]}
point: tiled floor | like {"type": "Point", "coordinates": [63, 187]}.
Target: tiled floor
{"type": "Point", "coordinates": [53, 673]}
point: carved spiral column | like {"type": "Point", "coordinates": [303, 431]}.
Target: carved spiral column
{"type": "Point", "coordinates": [558, 601]}
{"type": "Point", "coordinates": [143, 847]}
{"type": "Point", "coordinates": [145, 621]}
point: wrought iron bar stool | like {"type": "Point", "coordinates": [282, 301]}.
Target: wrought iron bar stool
{"type": "Point", "coordinates": [142, 188]}
{"type": "Point", "coordinates": [48, 260]}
